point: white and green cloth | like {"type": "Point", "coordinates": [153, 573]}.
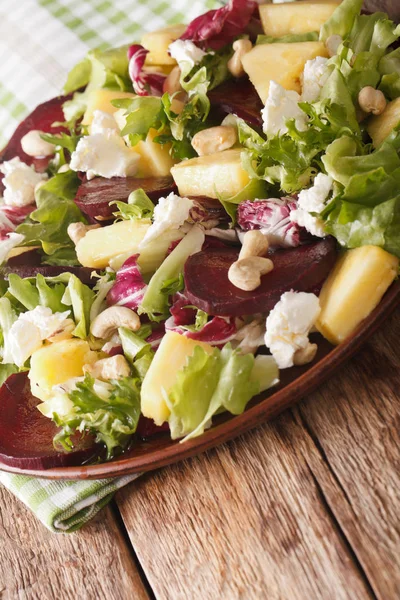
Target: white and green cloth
{"type": "Point", "coordinates": [40, 40]}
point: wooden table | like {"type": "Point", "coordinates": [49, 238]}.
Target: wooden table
{"type": "Point", "coordinates": [303, 508]}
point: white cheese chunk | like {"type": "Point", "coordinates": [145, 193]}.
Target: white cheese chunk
{"type": "Point", "coordinates": [313, 200]}
{"type": "Point", "coordinates": [104, 154]}
{"type": "Point", "coordinates": [288, 325]}
{"type": "Point", "coordinates": [28, 332]}
{"type": "Point", "coordinates": [315, 75]}
{"type": "Point", "coordinates": [170, 213]}
{"type": "Point", "coordinates": [19, 182]}
{"type": "Point", "coordinates": [103, 122]}
{"type": "Point", "coordinates": [282, 105]}
{"type": "Point", "coordinates": [185, 51]}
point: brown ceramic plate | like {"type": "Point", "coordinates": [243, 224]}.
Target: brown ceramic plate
{"type": "Point", "coordinates": [296, 383]}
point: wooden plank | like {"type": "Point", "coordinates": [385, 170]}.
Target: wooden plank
{"type": "Point", "coordinates": [355, 423]}
{"type": "Point", "coordinates": [95, 563]}
{"type": "Point", "coordinates": [245, 521]}
{"type": "Point", "coordinates": [302, 508]}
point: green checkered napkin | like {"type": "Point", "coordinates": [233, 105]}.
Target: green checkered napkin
{"type": "Point", "coordinates": [42, 40]}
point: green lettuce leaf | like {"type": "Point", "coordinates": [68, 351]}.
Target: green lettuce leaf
{"type": "Point", "coordinates": [211, 383]}
{"type": "Point", "coordinates": [6, 371]}
{"type": "Point", "coordinates": [80, 298]}
{"type": "Point", "coordinates": [139, 206]}
{"type": "Point", "coordinates": [101, 69]}
{"type": "Point", "coordinates": [141, 114]}
{"type": "Point", "coordinates": [136, 350]}
{"type": "Point", "coordinates": [342, 19]}
{"type": "Point", "coordinates": [110, 411]}
{"type": "Point", "coordinates": [47, 225]}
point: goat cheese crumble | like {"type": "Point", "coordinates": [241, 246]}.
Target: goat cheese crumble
{"type": "Point", "coordinates": [288, 326]}
{"type": "Point", "coordinates": [313, 200]}
{"type": "Point", "coordinates": [185, 51]}
{"type": "Point", "coordinates": [170, 213]}
{"type": "Point", "coordinates": [315, 75]}
{"type": "Point", "coordinates": [8, 243]}
{"type": "Point", "coordinates": [28, 332]}
{"type": "Point", "coordinates": [19, 182]}
{"type": "Point", "coordinates": [104, 151]}
{"type": "Point", "coordinates": [282, 105]}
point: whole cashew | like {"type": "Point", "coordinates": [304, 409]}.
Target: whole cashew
{"type": "Point", "coordinates": [33, 145]}
{"type": "Point", "coordinates": [108, 321]}
{"type": "Point", "coordinates": [214, 139]}
{"type": "Point", "coordinates": [305, 355]}
{"type": "Point", "coordinates": [113, 367]}
{"type": "Point", "coordinates": [246, 273]}
{"type": "Point", "coordinates": [240, 47]}
{"type": "Point", "coordinates": [372, 100]}
{"type": "Point", "coordinates": [255, 243]}
{"type": "Point", "coordinates": [77, 231]}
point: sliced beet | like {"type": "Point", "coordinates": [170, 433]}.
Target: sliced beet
{"type": "Point", "coordinates": [302, 269]}
{"type": "Point", "coordinates": [238, 97]}
{"type": "Point", "coordinates": [94, 196]}
{"type": "Point", "coordinates": [42, 118]}
{"type": "Point", "coordinates": [27, 268]}
{"type": "Point", "coordinates": [26, 436]}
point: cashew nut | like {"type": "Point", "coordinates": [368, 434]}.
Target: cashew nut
{"type": "Point", "coordinates": [303, 356]}
{"type": "Point", "coordinates": [172, 83]}
{"type": "Point", "coordinates": [65, 333]}
{"type": "Point", "coordinates": [33, 145]}
{"type": "Point", "coordinates": [113, 367]}
{"type": "Point", "coordinates": [240, 47]}
{"type": "Point", "coordinates": [251, 336]}
{"type": "Point", "coordinates": [246, 273]}
{"type": "Point", "coordinates": [372, 100]}
{"type": "Point", "coordinates": [108, 321]}
{"type": "Point", "coordinates": [214, 139]}
{"type": "Point", "coordinates": [332, 44]}
{"type": "Point", "coordinates": [77, 231]}
{"type": "Point", "coordinates": [254, 243]}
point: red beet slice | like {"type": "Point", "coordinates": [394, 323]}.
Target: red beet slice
{"type": "Point", "coordinates": [94, 196]}
{"type": "Point", "coordinates": [42, 119]}
{"type": "Point", "coordinates": [147, 428]}
{"type": "Point", "coordinates": [240, 98]}
{"type": "Point", "coordinates": [26, 436]}
{"type": "Point", "coordinates": [302, 269]}
{"type": "Point", "coordinates": [24, 267]}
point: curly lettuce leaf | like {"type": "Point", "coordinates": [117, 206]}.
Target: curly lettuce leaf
{"type": "Point", "coordinates": [141, 114]}
{"type": "Point", "coordinates": [137, 351]}
{"type": "Point", "coordinates": [342, 19]}
{"type": "Point", "coordinates": [47, 225]}
{"type": "Point", "coordinates": [110, 411]}
{"type": "Point", "coordinates": [139, 206]}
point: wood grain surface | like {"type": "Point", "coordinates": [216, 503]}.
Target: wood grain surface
{"type": "Point", "coordinates": [35, 564]}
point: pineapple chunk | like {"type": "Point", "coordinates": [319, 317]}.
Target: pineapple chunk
{"type": "Point", "coordinates": [99, 246]}
{"type": "Point", "coordinates": [157, 43]}
{"type": "Point", "coordinates": [290, 18]}
{"type": "Point", "coordinates": [57, 363]}
{"type": "Point", "coordinates": [213, 175]}
{"type": "Point", "coordinates": [113, 244]}
{"type": "Point", "coordinates": [155, 159]}
{"type": "Point", "coordinates": [353, 289]}
{"type": "Point", "coordinates": [101, 100]}
{"type": "Point", "coordinates": [283, 63]}
{"type": "Point", "coordinates": [171, 356]}
{"type": "Point", "coordinates": [380, 126]}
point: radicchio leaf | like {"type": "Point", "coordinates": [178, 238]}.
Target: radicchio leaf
{"type": "Point", "coordinates": [11, 216]}
{"type": "Point", "coordinates": [182, 315]}
{"type": "Point", "coordinates": [217, 28]}
{"type": "Point", "coordinates": [272, 217]}
{"type": "Point", "coordinates": [154, 339]}
{"type": "Point", "coordinates": [129, 287]}
{"type": "Point", "coordinates": [144, 84]}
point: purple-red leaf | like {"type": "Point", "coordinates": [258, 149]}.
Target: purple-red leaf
{"type": "Point", "coordinates": [144, 84]}
{"type": "Point", "coordinates": [129, 287]}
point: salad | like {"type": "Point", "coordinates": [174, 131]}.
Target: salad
{"type": "Point", "coordinates": [176, 226]}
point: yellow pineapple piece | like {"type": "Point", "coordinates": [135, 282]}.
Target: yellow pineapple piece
{"type": "Point", "coordinates": [113, 244]}
{"type": "Point", "coordinates": [283, 63]}
{"type": "Point", "coordinates": [57, 363]}
{"type": "Point", "coordinates": [171, 356]}
{"type": "Point", "coordinates": [290, 18]}
{"type": "Point", "coordinates": [353, 289]}
{"type": "Point", "coordinates": [155, 159]}
{"type": "Point", "coordinates": [381, 126]}
{"type": "Point", "coordinates": [213, 175]}
{"type": "Point", "coordinates": [101, 100]}
{"type": "Point", "coordinates": [157, 43]}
